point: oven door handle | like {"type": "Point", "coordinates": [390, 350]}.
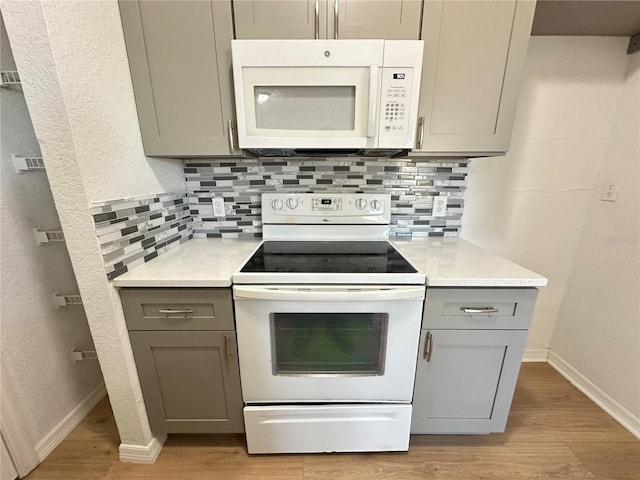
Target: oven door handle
{"type": "Point", "coordinates": [328, 294]}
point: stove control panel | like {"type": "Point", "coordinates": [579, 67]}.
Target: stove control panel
{"type": "Point", "coordinates": [326, 204]}
{"type": "Point", "coordinates": [301, 208]}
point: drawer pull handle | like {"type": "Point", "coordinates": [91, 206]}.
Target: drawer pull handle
{"type": "Point", "coordinates": [479, 309]}
{"type": "Point", "coordinates": [171, 311]}
{"type": "Point", "coordinates": [428, 347]}
{"type": "Point", "coordinates": [420, 133]}
{"type": "Point", "coordinates": [317, 21]}
{"type": "Point", "coordinates": [227, 350]}
{"type": "Point", "coordinates": [231, 139]}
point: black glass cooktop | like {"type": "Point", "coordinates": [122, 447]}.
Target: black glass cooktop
{"type": "Point", "coordinates": [327, 257]}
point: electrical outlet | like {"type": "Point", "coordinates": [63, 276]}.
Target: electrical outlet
{"type": "Point", "coordinates": [439, 206]}
{"type": "Point", "coordinates": [218, 206]}
{"type": "Point", "coordinates": [609, 192]}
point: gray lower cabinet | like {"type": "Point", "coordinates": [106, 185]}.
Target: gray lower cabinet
{"type": "Point", "coordinates": [185, 350]}
{"type": "Point", "coordinates": [471, 348]}
{"type": "Point", "coordinates": [463, 387]}
{"type": "Point", "coordinates": [180, 61]}
{"type": "Point", "coordinates": [474, 55]}
{"type": "Point", "coordinates": [190, 380]}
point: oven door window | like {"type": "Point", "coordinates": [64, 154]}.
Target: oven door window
{"type": "Point", "coordinates": [322, 344]}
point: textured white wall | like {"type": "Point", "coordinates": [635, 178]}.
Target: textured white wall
{"type": "Point", "coordinates": [88, 45]}
{"type": "Point", "coordinates": [73, 64]}
{"type": "Point", "coordinates": [530, 205]}
{"type": "Point", "coordinates": [598, 329]}
{"type": "Point", "coordinates": [36, 338]}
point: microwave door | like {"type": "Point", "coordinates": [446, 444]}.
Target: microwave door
{"type": "Point", "coordinates": [310, 107]}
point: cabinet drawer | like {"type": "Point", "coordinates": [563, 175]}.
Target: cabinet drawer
{"type": "Point", "coordinates": [177, 308]}
{"type": "Point", "coordinates": [479, 308]}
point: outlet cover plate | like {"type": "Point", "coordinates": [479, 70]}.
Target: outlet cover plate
{"type": "Point", "coordinates": [609, 192]}
{"type": "Point", "coordinates": [439, 206]}
{"type": "Point", "coordinates": [218, 206]}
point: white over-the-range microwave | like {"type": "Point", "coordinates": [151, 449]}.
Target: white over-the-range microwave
{"type": "Point", "coordinates": [327, 96]}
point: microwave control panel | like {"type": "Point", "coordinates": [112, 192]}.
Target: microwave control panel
{"type": "Point", "coordinates": [395, 102]}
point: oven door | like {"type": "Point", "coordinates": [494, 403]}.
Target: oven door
{"type": "Point", "coordinates": [328, 343]}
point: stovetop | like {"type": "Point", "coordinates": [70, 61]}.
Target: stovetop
{"type": "Point", "coordinates": [327, 257]}
{"type": "Point", "coordinates": [328, 262]}
{"type": "Point", "coordinates": [327, 238]}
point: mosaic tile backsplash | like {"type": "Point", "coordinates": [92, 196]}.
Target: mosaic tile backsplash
{"type": "Point", "coordinates": [412, 184]}
{"type": "Point", "coordinates": [136, 230]}
{"type": "Point", "coordinates": [133, 231]}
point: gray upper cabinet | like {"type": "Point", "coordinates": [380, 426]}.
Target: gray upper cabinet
{"type": "Point", "coordinates": [474, 56]}
{"type": "Point", "coordinates": [180, 60]}
{"type": "Point", "coordinates": [279, 19]}
{"type": "Point", "coordinates": [344, 19]}
{"type": "Point", "coordinates": [388, 19]}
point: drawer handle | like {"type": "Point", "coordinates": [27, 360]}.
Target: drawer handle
{"type": "Point", "coordinates": [479, 309]}
{"type": "Point", "coordinates": [227, 350]}
{"type": "Point", "coordinates": [428, 347]}
{"type": "Point", "coordinates": [171, 311]}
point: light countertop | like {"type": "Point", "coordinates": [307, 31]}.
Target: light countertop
{"type": "Point", "coordinates": [199, 262]}
{"type": "Point", "coordinates": [454, 262]}
{"type": "Point", "coordinates": [446, 262]}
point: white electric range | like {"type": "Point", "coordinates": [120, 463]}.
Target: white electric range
{"type": "Point", "coordinates": [328, 320]}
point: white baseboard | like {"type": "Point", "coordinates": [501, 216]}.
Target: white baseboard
{"type": "Point", "coordinates": [142, 454]}
{"type": "Point", "coordinates": [623, 416]}
{"type": "Point", "coordinates": [68, 423]}
{"type": "Point", "coordinates": [535, 355]}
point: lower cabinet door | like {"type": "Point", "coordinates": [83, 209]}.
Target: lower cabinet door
{"type": "Point", "coordinates": [465, 380]}
{"type": "Point", "coordinates": [190, 380]}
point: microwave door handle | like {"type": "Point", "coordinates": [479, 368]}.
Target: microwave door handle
{"type": "Point", "coordinates": [374, 95]}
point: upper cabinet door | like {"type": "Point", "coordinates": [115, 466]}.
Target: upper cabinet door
{"type": "Point", "coordinates": [387, 19]}
{"type": "Point", "coordinates": [474, 54]}
{"type": "Point", "coordinates": [276, 19]}
{"type": "Point", "coordinates": [180, 60]}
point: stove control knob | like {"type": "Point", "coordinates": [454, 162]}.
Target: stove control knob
{"type": "Point", "coordinates": [361, 203]}
{"type": "Point", "coordinates": [376, 204]}
{"type": "Point", "coordinates": [292, 203]}
{"type": "Point", "coordinates": [276, 204]}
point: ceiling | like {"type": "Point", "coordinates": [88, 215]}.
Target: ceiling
{"type": "Point", "coordinates": [595, 17]}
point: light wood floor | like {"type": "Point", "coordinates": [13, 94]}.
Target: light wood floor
{"type": "Point", "coordinates": [554, 432]}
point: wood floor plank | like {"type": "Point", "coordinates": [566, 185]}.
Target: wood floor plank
{"type": "Point", "coordinates": [537, 461]}
{"type": "Point", "coordinates": [196, 457]}
{"type": "Point", "coordinates": [554, 433]}
{"type": "Point", "coordinates": [615, 461]}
